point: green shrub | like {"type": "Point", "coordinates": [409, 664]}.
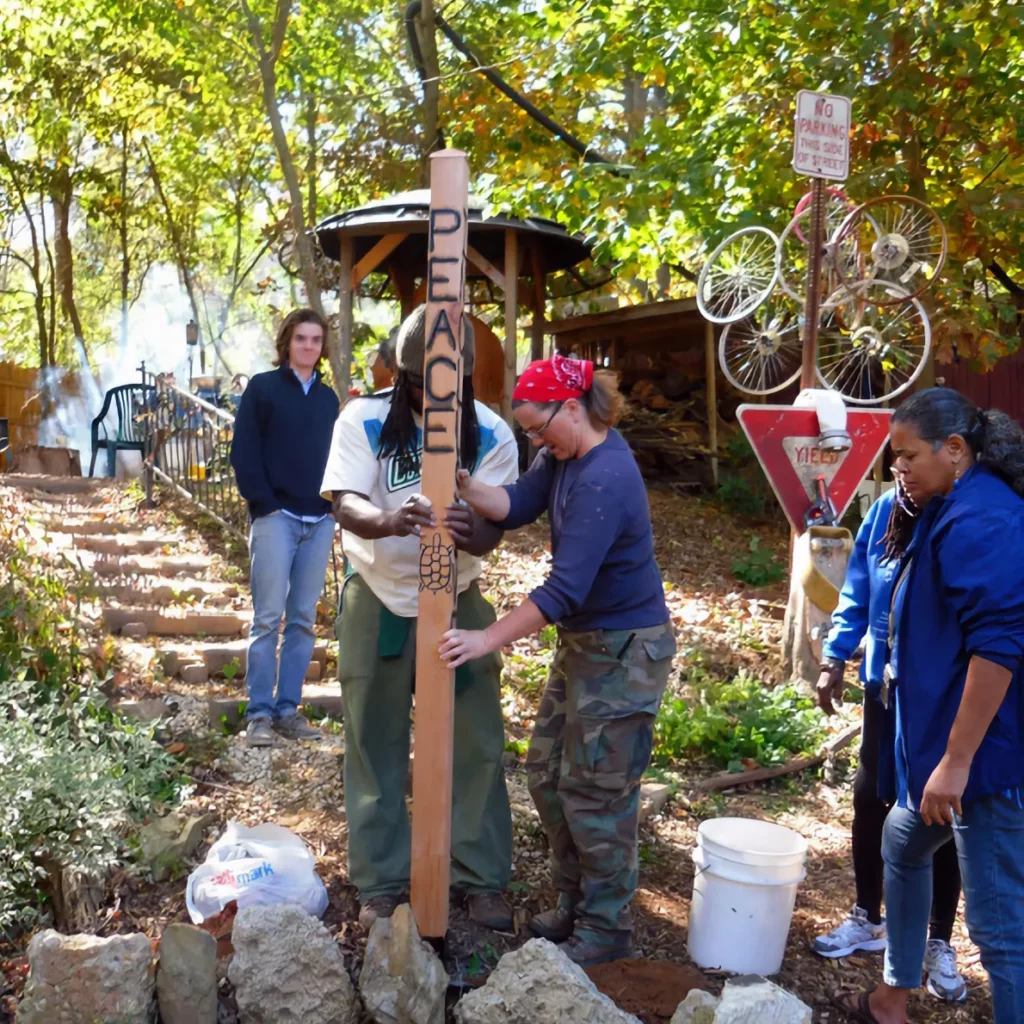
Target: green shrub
{"type": "Point", "coordinates": [760, 568]}
{"type": "Point", "coordinates": [730, 722]}
{"type": "Point", "coordinates": [74, 776]}
{"type": "Point", "coordinates": [743, 489]}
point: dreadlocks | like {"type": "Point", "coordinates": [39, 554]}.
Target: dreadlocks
{"type": "Point", "coordinates": [900, 529]}
{"type": "Point", "coordinates": [398, 434]}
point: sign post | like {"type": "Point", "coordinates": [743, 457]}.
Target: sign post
{"type": "Point", "coordinates": [821, 149]}
{"type": "Point", "coordinates": [442, 397]}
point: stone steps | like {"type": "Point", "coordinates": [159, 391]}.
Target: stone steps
{"type": "Point", "coordinates": [322, 697]}
{"type": "Point", "coordinates": [84, 527]}
{"type": "Point", "coordinates": [162, 592]}
{"type": "Point", "coordinates": [216, 657]}
{"type": "Point", "coordinates": [175, 622]}
{"type": "Point", "coordinates": [165, 565]}
{"type": "Point", "coordinates": [125, 544]}
{"type": "Point", "coordinates": [56, 484]}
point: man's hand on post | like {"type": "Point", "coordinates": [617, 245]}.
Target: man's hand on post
{"type": "Point", "coordinates": [411, 516]}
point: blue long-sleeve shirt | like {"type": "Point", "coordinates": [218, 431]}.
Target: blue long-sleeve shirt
{"type": "Point", "coordinates": [281, 441]}
{"type": "Point", "coordinates": [604, 575]}
{"type": "Point", "coordinates": [863, 609]}
{"type": "Point", "coordinates": [963, 597]}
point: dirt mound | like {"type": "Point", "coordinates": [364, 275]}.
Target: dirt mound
{"type": "Point", "coordinates": [649, 989]}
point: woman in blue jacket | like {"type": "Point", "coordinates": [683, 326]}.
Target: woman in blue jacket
{"type": "Point", "coordinates": [863, 614]}
{"type": "Point", "coordinates": [956, 681]}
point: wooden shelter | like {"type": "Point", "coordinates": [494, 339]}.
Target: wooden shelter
{"type": "Point", "coordinates": [389, 237]}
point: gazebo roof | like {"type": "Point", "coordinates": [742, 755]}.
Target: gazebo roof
{"type": "Point", "coordinates": [407, 213]}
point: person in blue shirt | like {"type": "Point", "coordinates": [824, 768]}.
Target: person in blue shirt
{"type": "Point", "coordinates": [594, 728]}
{"type": "Point", "coordinates": [279, 449]}
{"type": "Point", "coordinates": [955, 679]}
{"type": "Point", "coordinates": [863, 615]}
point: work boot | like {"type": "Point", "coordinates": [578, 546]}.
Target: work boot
{"type": "Point", "coordinates": [378, 906]}
{"type": "Point", "coordinates": [589, 948]}
{"type": "Point", "coordinates": [491, 910]}
{"type": "Point", "coordinates": [556, 924]}
{"type": "Point", "coordinates": [296, 727]}
{"type": "Point", "coordinates": [258, 733]}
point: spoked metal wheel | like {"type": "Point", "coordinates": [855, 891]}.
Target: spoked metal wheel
{"type": "Point", "coordinates": [870, 350]}
{"type": "Point", "coordinates": [761, 353]}
{"type": "Point", "coordinates": [738, 276]}
{"type": "Point", "coordinates": [794, 253]}
{"type": "Point", "coordinates": [837, 206]}
{"type": "Point", "coordinates": [899, 241]}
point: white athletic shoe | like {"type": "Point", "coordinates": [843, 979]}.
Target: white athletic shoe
{"type": "Point", "coordinates": [855, 933]}
{"type": "Point", "coordinates": [944, 981]}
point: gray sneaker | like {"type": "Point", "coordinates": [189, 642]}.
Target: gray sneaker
{"type": "Point", "coordinates": [944, 980]}
{"type": "Point", "coordinates": [296, 727]}
{"type": "Point", "coordinates": [258, 733]}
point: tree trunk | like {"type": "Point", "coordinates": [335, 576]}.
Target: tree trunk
{"type": "Point", "coordinates": [61, 196]}
{"type": "Point", "coordinates": [311, 159]}
{"type": "Point", "coordinates": [426, 33]}
{"type": "Point", "coordinates": [303, 243]}
{"type": "Point", "coordinates": [122, 230]}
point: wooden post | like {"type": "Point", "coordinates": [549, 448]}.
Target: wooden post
{"type": "Point", "coordinates": [711, 395]}
{"type": "Point", "coordinates": [345, 315]}
{"type": "Point", "coordinates": [435, 684]}
{"type": "Point", "coordinates": [511, 315]}
{"type": "Point", "coordinates": [539, 301]}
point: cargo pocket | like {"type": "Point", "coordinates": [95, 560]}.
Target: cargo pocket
{"type": "Point", "coordinates": [610, 753]}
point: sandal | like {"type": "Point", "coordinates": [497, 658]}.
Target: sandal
{"type": "Point", "coordinates": [861, 1011]}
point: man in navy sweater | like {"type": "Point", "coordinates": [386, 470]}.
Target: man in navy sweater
{"type": "Point", "coordinates": [279, 452]}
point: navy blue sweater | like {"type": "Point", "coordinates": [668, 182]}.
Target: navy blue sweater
{"type": "Point", "coordinates": [281, 443]}
{"type": "Point", "coordinates": [604, 575]}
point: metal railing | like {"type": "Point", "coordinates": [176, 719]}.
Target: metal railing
{"type": "Point", "coordinates": [189, 448]}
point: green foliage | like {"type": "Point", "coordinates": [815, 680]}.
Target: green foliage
{"type": "Point", "coordinates": [760, 568]}
{"type": "Point", "coordinates": [74, 777]}
{"type": "Point", "coordinates": [232, 669]}
{"type": "Point", "coordinates": [730, 722]}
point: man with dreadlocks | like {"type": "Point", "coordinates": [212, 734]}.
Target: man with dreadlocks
{"type": "Point", "coordinates": [372, 476]}
{"type": "Point", "coordinates": [863, 615]}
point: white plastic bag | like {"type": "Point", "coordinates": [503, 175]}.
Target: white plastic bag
{"type": "Point", "coordinates": [265, 864]}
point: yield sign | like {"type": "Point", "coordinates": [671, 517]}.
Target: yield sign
{"type": "Point", "coordinates": [785, 441]}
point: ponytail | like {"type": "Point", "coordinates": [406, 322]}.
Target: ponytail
{"type": "Point", "coordinates": [604, 402]}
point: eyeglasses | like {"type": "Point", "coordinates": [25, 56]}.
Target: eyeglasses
{"type": "Point", "coordinates": [538, 433]}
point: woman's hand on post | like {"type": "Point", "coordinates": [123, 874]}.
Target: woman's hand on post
{"type": "Point", "coordinates": [468, 488]}
{"type": "Point", "coordinates": [942, 793]}
{"type": "Point", "coordinates": [461, 645]}
{"type": "Point", "coordinates": [411, 516]}
{"type": "Point", "coordinates": [830, 686]}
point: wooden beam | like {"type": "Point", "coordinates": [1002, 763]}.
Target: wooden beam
{"type": "Point", "coordinates": [539, 302]}
{"type": "Point", "coordinates": [624, 314]}
{"type": "Point", "coordinates": [435, 685]}
{"type": "Point", "coordinates": [404, 283]}
{"type": "Point", "coordinates": [345, 314]}
{"type": "Point", "coordinates": [711, 395]}
{"type": "Point", "coordinates": [375, 257]}
{"type": "Point", "coordinates": [481, 262]}
{"type": "Point", "coordinates": [511, 289]}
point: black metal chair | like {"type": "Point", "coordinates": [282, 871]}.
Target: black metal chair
{"type": "Point", "coordinates": [134, 404]}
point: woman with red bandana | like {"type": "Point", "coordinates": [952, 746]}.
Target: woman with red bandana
{"type": "Point", "coordinates": [594, 728]}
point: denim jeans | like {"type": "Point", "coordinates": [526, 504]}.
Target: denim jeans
{"type": "Point", "coordinates": [989, 840]}
{"type": "Point", "coordinates": [288, 563]}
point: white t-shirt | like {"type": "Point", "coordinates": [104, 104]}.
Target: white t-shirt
{"type": "Point", "coordinates": [391, 565]}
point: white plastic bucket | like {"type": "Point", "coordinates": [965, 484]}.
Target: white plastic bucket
{"type": "Point", "coordinates": [744, 888]}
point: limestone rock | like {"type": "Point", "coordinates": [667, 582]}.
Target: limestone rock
{"type": "Point", "coordinates": [538, 984]}
{"type": "Point", "coordinates": [79, 979]}
{"type": "Point", "coordinates": [287, 969]}
{"type": "Point", "coordinates": [194, 674]}
{"type": "Point", "coordinates": [653, 797]}
{"type": "Point", "coordinates": [753, 1000]}
{"type": "Point", "coordinates": [403, 981]}
{"type": "Point", "coordinates": [186, 980]}
{"type": "Point", "coordinates": [697, 1008]}
{"type": "Point", "coordinates": [135, 630]}
{"type": "Point", "coordinates": [168, 841]}
{"type": "Point", "coordinates": [150, 709]}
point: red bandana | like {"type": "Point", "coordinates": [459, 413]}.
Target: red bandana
{"type": "Point", "coordinates": [554, 380]}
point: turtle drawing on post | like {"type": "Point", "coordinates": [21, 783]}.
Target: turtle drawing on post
{"type": "Point", "coordinates": [437, 566]}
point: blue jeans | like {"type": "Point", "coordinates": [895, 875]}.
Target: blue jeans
{"type": "Point", "coordinates": [990, 845]}
{"type": "Point", "coordinates": [288, 563]}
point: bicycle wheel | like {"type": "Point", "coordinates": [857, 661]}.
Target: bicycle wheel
{"type": "Point", "coordinates": [838, 201]}
{"type": "Point", "coordinates": [794, 256]}
{"type": "Point", "coordinates": [738, 276]}
{"type": "Point", "coordinates": [870, 350]}
{"type": "Point", "coordinates": [900, 241]}
{"type": "Point", "coordinates": [761, 353]}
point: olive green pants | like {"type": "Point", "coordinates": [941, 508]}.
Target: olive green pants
{"type": "Point", "coordinates": [376, 665]}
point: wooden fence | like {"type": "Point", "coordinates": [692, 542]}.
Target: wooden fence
{"type": "Point", "coordinates": [19, 400]}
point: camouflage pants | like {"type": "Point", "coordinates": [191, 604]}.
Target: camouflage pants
{"type": "Point", "coordinates": [591, 744]}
